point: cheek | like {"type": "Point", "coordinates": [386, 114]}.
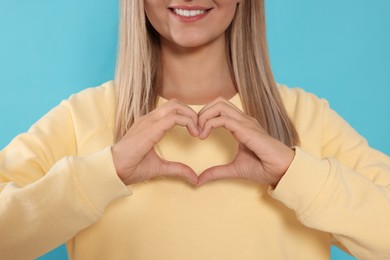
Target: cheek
{"type": "Point", "coordinates": [227, 16]}
{"type": "Point", "coordinates": [157, 15]}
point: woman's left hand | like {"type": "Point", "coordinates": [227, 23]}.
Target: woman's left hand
{"type": "Point", "coordinates": [260, 157]}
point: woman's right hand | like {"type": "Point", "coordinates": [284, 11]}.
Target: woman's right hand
{"type": "Point", "coordinates": [134, 157]}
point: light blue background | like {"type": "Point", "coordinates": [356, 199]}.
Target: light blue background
{"type": "Point", "coordinates": [337, 49]}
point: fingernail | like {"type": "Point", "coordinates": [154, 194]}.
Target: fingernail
{"type": "Point", "coordinates": [193, 182]}
{"type": "Point", "coordinates": [197, 131]}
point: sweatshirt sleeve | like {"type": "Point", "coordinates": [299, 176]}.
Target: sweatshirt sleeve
{"type": "Point", "coordinates": [47, 192]}
{"type": "Point", "coordinates": [345, 191]}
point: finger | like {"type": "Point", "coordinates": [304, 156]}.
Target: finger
{"type": "Point", "coordinates": [172, 120]}
{"type": "Point", "coordinates": [142, 136]}
{"type": "Point", "coordinates": [219, 108]}
{"type": "Point", "coordinates": [176, 107]}
{"type": "Point", "coordinates": [217, 173]}
{"type": "Point", "coordinates": [223, 121]}
{"type": "Point", "coordinates": [216, 101]}
{"type": "Point", "coordinates": [174, 169]}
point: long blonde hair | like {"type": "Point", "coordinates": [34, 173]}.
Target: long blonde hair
{"type": "Point", "coordinates": [138, 64]}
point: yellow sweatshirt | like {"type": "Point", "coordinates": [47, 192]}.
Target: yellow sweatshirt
{"type": "Point", "coordinates": [58, 184]}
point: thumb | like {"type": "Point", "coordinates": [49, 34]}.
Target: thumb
{"type": "Point", "coordinates": [217, 173]}
{"type": "Point", "coordinates": [175, 169]}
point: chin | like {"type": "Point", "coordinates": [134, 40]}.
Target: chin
{"type": "Point", "coordinates": [191, 45]}
{"type": "Point", "coordinates": [192, 42]}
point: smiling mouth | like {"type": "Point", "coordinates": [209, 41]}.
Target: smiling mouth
{"type": "Point", "coordinates": [189, 13]}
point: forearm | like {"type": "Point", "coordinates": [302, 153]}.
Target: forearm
{"type": "Point", "coordinates": [332, 198]}
{"type": "Point", "coordinates": [50, 211]}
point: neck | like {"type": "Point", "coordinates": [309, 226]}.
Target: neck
{"type": "Point", "coordinates": [195, 75]}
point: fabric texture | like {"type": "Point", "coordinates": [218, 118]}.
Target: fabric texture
{"type": "Point", "coordinates": [58, 184]}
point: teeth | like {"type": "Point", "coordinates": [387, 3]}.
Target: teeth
{"type": "Point", "coordinates": [188, 13]}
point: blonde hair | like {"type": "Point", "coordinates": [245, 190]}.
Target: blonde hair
{"type": "Point", "coordinates": [138, 64]}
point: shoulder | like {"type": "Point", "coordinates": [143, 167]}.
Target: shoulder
{"type": "Point", "coordinates": [300, 103]}
{"type": "Point", "coordinates": [99, 100]}
{"type": "Point", "coordinates": [308, 113]}
{"type": "Point", "coordinates": [92, 112]}
{"type": "Point", "coordinates": [91, 95]}
{"type": "Point", "coordinates": [88, 104]}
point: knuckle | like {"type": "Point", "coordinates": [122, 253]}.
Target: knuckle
{"type": "Point", "coordinates": [165, 110]}
{"type": "Point", "coordinates": [173, 103]}
{"type": "Point", "coordinates": [158, 112]}
{"type": "Point", "coordinates": [221, 102]}
{"type": "Point", "coordinates": [253, 120]}
{"type": "Point", "coordinates": [221, 99]}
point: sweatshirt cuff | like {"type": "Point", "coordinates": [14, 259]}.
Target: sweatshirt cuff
{"type": "Point", "coordinates": [98, 180]}
{"type": "Point", "coordinates": [302, 182]}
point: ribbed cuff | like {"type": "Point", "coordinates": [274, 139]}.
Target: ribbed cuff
{"type": "Point", "coordinates": [98, 179]}
{"type": "Point", "coordinates": [302, 182]}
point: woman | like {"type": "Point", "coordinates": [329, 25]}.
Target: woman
{"type": "Point", "coordinates": [165, 164]}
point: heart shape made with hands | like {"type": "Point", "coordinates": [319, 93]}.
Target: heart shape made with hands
{"type": "Point", "coordinates": [220, 147]}
{"type": "Point", "coordinates": [178, 145]}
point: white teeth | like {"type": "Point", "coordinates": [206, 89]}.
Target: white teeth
{"type": "Point", "coordinates": [188, 13]}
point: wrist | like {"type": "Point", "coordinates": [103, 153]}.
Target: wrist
{"type": "Point", "coordinates": [117, 163]}
{"type": "Point", "coordinates": [287, 157]}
